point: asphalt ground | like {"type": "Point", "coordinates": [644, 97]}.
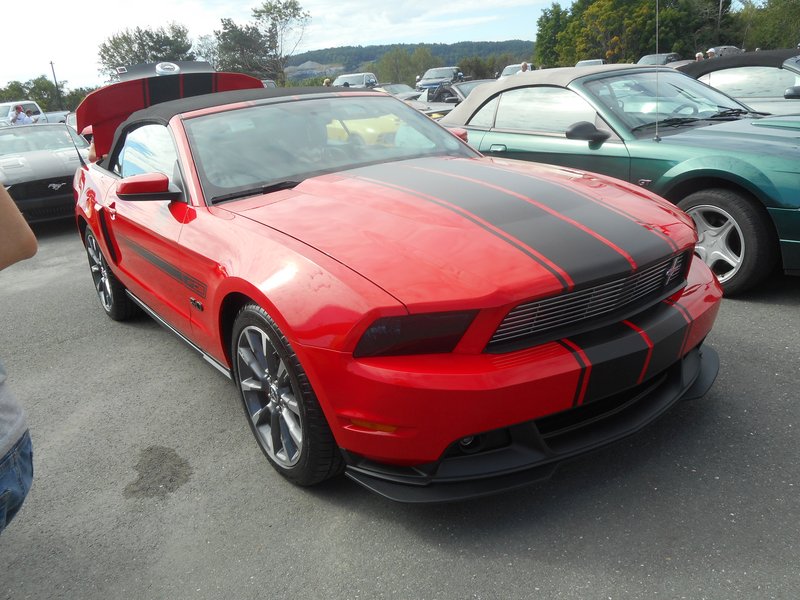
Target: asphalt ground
{"type": "Point", "coordinates": [148, 483]}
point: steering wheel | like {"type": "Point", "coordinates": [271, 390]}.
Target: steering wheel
{"type": "Point", "coordinates": [678, 109]}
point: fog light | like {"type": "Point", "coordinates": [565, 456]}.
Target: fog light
{"type": "Point", "coordinates": [469, 444]}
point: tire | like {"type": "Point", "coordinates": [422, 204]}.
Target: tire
{"type": "Point", "coordinates": [284, 414]}
{"type": "Point", "coordinates": [736, 238]}
{"type": "Point", "coordinates": [110, 291]}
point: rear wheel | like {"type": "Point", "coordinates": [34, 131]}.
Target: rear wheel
{"type": "Point", "coordinates": [110, 291]}
{"type": "Point", "coordinates": [280, 405]}
{"type": "Point", "coordinates": [735, 237]}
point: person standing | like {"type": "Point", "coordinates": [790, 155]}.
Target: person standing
{"type": "Point", "coordinates": [17, 242]}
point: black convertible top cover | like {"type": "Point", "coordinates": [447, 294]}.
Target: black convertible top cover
{"type": "Point", "coordinates": [762, 58]}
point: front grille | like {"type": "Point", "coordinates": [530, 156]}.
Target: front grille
{"type": "Point", "coordinates": [47, 213]}
{"type": "Point", "coordinates": [43, 188]}
{"type": "Point", "coordinates": [560, 316]}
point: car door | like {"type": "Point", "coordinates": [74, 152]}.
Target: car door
{"type": "Point", "coordinates": [146, 229]}
{"type": "Point", "coordinates": [530, 123]}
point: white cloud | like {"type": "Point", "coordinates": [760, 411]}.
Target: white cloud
{"type": "Point", "coordinates": [70, 36]}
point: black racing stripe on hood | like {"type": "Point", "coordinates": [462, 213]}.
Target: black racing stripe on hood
{"type": "Point", "coordinates": [559, 274]}
{"type": "Point", "coordinates": [637, 241]}
{"type": "Point", "coordinates": [581, 255]}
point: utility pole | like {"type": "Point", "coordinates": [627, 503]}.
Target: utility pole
{"type": "Point", "coordinates": [55, 82]}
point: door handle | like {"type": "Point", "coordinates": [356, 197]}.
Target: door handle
{"type": "Point", "coordinates": [497, 148]}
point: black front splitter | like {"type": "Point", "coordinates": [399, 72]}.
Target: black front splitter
{"type": "Point", "coordinates": [533, 454]}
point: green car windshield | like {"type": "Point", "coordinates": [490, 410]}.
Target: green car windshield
{"type": "Point", "coordinates": [640, 99]}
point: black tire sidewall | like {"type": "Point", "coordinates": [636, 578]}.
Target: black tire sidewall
{"type": "Point", "coordinates": [306, 471]}
{"type": "Point", "coordinates": [752, 219]}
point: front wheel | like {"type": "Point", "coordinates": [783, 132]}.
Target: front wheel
{"type": "Point", "coordinates": [280, 405]}
{"type": "Point", "coordinates": [110, 291]}
{"type": "Point", "coordinates": [735, 237]}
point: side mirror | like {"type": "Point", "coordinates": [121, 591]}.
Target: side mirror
{"type": "Point", "coordinates": [147, 186]}
{"type": "Point", "coordinates": [460, 133]}
{"type": "Point", "coordinates": [451, 100]}
{"type": "Point", "coordinates": [583, 130]}
{"type": "Point", "coordinates": [792, 93]}
{"type": "Point", "coordinates": [417, 78]}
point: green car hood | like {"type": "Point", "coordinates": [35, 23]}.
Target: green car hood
{"type": "Point", "coordinates": [767, 136]}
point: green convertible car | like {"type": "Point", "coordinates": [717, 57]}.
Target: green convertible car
{"type": "Point", "coordinates": [736, 172]}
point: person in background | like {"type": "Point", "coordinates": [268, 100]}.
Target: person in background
{"type": "Point", "coordinates": [523, 67]}
{"type": "Point", "coordinates": [17, 242]}
{"type": "Point", "coordinates": [699, 56]}
{"type": "Point", "coordinates": [327, 82]}
{"type": "Point", "coordinates": [19, 117]}
{"type": "Point", "coordinates": [711, 53]}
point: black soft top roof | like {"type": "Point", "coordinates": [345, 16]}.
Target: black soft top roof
{"type": "Point", "coordinates": [164, 111]}
{"type": "Point", "coordinates": [762, 58]}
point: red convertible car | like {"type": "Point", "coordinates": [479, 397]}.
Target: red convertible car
{"type": "Point", "coordinates": [391, 304]}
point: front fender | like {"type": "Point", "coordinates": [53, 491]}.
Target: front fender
{"type": "Point", "coordinates": [737, 172]}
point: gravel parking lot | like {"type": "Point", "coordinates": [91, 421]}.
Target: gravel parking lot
{"type": "Point", "coordinates": [148, 483]}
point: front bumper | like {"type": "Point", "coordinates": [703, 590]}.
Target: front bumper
{"type": "Point", "coordinates": [531, 451]}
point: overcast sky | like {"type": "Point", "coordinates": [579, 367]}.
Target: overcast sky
{"type": "Point", "coordinates": [61, 32]}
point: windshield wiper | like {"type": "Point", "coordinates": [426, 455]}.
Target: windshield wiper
{"type": "Point", "coordinates": [670, 122]}
{"type": "Point", "coordinates": [728, 113]}
{"type": "Point", "coordinates": [263, 189]}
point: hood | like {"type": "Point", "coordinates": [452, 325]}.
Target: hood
{"type": "Point", "coordinates": [42, 164]}
{"type": "Point", "coordinates": [483, 232]}
{"type": "Point", "coordinates": [772, 136]}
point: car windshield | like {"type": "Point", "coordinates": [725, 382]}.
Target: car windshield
{"type": "Point", "coordinates": [438, 73]}
{"type": "Point", "coordinates": [510, 70]}
{"type": "Point", "coordinates": [244, 151]}
{"type": "Point", "coordinates": [32, 138]}
{"type": "Point", "coordinates": [349, 80]}
{"type": "Point", "coordinates": [646, 98]}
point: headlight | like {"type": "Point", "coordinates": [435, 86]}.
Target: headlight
{"type": "Point", "coordinates": [432, 333]}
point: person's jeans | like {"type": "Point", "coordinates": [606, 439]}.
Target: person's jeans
{"type": "Point", "coordinates": [16, 476]}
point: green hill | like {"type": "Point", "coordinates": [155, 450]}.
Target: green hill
{"type": "Point", "coordinates": [352, 57]}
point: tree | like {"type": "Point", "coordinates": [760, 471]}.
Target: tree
{"type": "Point", "coordinates": [207, 48]}
{"type": "Point", "coordinates": [423, 59]}
{"type": "Point", "coordinates": [396, 66]}
{"type": "Point", "coordinates": [136, 46]}
{"type": "Point", "coordinates": [551, 22]}
{"type": "Point", "coordinates": [244, 49]}
{"type": "Point", "coordinates": [282, 24]}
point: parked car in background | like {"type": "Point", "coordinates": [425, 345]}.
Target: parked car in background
{"type": "Point", "coordinates": [356, 80]}
{"type": "Point", "coordinates": [659, 59]}
{"type": "Point", "coordinates": [510, 70]}
{"type": "Point", "coordinates": [37, 165]}
{"type": "Point", "coordinates": [720, 51]}
{"type": "Point", "coordinates": [433, 323]}
{"type": "Point", "coordinates": [453, 93]}
{"type": "Point", "coordinates": [7, 110]}
{"type": "Point", "coordinates": [399, 90]}
{"type": "Point", "coordinates": [439, 75]}
{"type": "Point", "coordinates": [56, 116]}
{"type": "Point", "coordinates": [767, 81]}
{"type": "Point", "coordinates": [590, 62]}
{"type": "Point", "coordinates": [737, 174]}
